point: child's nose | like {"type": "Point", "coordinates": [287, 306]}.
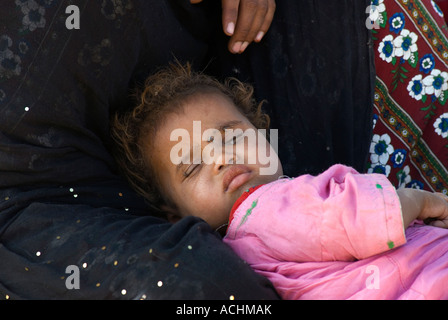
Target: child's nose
{"type": "Point", "coordinates": [223, 161]}
{"type": "Point", "coordinates": [218, 167]}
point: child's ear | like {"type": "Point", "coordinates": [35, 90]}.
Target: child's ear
{"type": "Point", "coordinates": [172, 215]}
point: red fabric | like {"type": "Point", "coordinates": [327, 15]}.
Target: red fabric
{"type": "Point", "coordinates": [241, 199]}
{"type": "Point", "coordinates": [410, 141]}
{"type": "Point", "coordinates": [443, 4]}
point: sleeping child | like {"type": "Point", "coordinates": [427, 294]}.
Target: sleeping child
{"type": "Point", "coordinates": [188, 148]}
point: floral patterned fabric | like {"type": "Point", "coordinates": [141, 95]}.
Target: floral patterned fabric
{"type": "Point", "coordinates": [410, 135]}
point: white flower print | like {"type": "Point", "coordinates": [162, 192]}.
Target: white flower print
{"type": "Point", "coordinates": [405, 44]}
{"type": "Point", "coordinates": [397, 22]}
{"type": "Point", "coordinates": [386, 48]}
{"type": "Point", "coordinates": [427, 63]}
{"type": "Point", "coordinates": [436, 8]}
{"type": "Point", "coordinates": [404, 177]}
{"type": "Point", "coordinates": [416, 87]}
{"type": "Point", "coordinates": [441, 125]}
{"type": "Point", "coordinates": [379, 168]}
{"type": "Point", "coordinates": [436, 82]}
{"type": "Point", "coordinates": [379, 4]}
{"type": "Point", "coordinates": [380, 149]}
{"type": "Point", "coordinates": [377, 7]}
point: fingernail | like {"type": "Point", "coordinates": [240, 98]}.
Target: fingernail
{"type": "Point", "coordinates": [259, 36]}
{"type": "Point", "coordinates": [237, 47]}
{"type": "Point", "coordinates": [230, 28]}
{"type": "Point", "coordinates": [244, 46]}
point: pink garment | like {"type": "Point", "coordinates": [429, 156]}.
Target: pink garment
{"type": "Point", "coordinates": [339, 236]}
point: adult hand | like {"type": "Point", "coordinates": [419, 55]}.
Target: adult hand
{"type": "Point", "coordinates": [245, 21]}
{"type": "Point", "coordinates": [432, 208]}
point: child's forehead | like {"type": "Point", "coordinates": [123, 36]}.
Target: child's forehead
{"type": "Point", "coordinates": [210, 104]}
{"type": "Point", "coordinates": [197, 104]}
{"type": "Point", "coordinates": [208, 94]}
{"type": "Point", "coordinates": [206, 114]}
{"type": "Point", "coordinates": [197, 113]}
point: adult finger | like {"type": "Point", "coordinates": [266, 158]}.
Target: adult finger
{"type": "Point", "coordinates": [248, 13]}
{"type": "Point", "coordinates": [254, 18]}
{"type": "Point", "coordinates": [229, 15]}
{"type": "Point", "coordinates": [439, 224]}
{"type": "Point", "coordinates": [267, 21]}
{"type": "Point", "coordinates": [257, 9]}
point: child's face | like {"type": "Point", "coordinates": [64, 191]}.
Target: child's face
{"type": "Point", "coordinates": [209, 189]}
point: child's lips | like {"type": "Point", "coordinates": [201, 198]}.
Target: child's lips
{"type": "Point", "coordinates": [235, 176]}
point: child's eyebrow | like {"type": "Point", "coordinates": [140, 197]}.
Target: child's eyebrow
{"type": "Point", "coordinates": [228, 124]}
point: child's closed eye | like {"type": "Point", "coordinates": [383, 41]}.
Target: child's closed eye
{"type": "Point", "coordinates": [233, 140]}
{"type": "Point", "coordinates": [192, 168]}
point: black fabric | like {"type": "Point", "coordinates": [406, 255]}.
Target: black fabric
{"type": "Point", "coordinates": [315, 69]}
{"type": "Point", "coordinates": [61, 200]}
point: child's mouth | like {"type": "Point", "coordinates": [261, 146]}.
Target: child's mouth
{"type": "Point", "coordinates": [235, 176]}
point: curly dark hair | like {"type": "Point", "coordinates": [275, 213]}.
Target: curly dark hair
{"type": "Point", "coordinates": [163, 93]}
